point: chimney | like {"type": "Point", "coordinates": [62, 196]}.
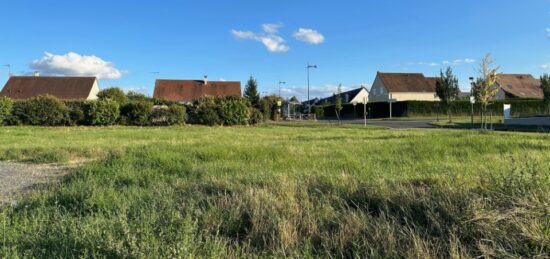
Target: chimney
{"type": "Point", "coordinates": [205, 80]}
{"type": "Point", "coordinates": [36, 74]}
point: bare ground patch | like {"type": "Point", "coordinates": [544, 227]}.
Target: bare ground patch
{"type": "Point", "coordinates": [17, 178]}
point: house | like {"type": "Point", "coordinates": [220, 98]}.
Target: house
{"type": "Point", "coordinates": [513, 86]}
{"type": "Point", "coordinates": [355, 96]}
{"type": "Point", "coordinates": [403, 87]}
{"type": "Point", "coordinates": [192, 90]}
{"type": "Point", "coordinates": [64, 88]}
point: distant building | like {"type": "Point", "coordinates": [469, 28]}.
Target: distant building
{"type": "Point", "coordinates": [64, 88]}
{"type": "Point", "coordinates": [403, 87]}
{"type": "Point", "coordinates": [355, 96]}
{"type": "Point", "coordinates": [513, 86]}
{"type": "Point", "coordinates": [191, 90]}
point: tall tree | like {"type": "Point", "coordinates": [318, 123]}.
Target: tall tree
{"type": "Point", "coordinates": [338, 104]}
{"type": "Point", "coordinates": [251, 92]}
{"type": "Point", "coordinates": [447, 90]}
{"type": "Point", "coordinates": [485, 87]}
{"type": "Point", "coordinates": [545, 85]}
{"type": "Point", "coordinates": [294, 99]}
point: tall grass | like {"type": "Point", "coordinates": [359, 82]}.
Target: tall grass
{"type": "Point", "coordinates": [283, 191]}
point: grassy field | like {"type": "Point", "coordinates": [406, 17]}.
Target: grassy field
{"type": "Point", "coordinates": [281, 190]}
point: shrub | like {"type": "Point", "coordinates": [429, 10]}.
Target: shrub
{"type": "Point", "coordinates": [233, 110]}
{"type": "Point", "coordinates": [76, 112]}
{"type": "Point", "coordinates": [137, 113]}
{"type": "Point", "coordinates": [6, 106]}
{"type": "Point", "coordinates": [102, 112]}
{"type": "Point", "coordinates": [205, 112]}
{"type": "Point", "coordinates": [319, 111]}
{"type": "Point", "coordinates": [168, 115]}
{"type": "Point", "coordinates": [256, 116]}
{"type": "Point", "coordinates": [115, 94]}
{"type": "Point", "coordinates": [44, 110]}
{"type": "Point", "coordinates": [137, 97]}
{"type": "Point", "coordinates": [265, 106]}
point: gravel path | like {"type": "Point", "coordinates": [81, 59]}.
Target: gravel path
{"type": "Point", "coordinates": [16, 178]}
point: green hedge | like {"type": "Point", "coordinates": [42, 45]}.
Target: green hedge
{"type": "Point", "coordinates": [231, 110]}
{"type": "Point", "coordinates": [520, 108]}
{"type": "Point", "coordinates": [6, 106]}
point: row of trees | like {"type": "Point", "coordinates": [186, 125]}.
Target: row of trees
{"type": "Point", "coordinates": [484, 88]}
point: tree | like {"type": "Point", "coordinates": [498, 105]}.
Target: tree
{"type": "Point", "coordinates": [485, 87]}
{"type": "Point", "coordinates": [545, 85]}
{"type": "Point", "coordinates": [447, 90]}
{"type": "Point", "coordinates": [294, 99]}
{"type": "Point", "coordinates": [338, 104]}
{"type": "Point", "coordinates": [113, 93]}
{"type": "Point", "coordinates": [251, 92]}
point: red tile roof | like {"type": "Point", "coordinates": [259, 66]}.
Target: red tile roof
{"type": "Point", "coordinates": [191, 90]}
{"type": "Point", "coordinates": [407, 82]}
{"type": "Point", "coordinates": [520, 86]}
{"type": "Point", "coordinates": [64, 88]}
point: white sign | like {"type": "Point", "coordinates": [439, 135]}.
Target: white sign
{"type": "Point", "coordinates": [472, 99]}
{"type": "Point", "coordinates": [507, 111]}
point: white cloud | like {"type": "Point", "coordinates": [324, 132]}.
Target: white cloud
{"type": "Point", "coordinates": [545, 66]}
{"type": "Point", "coordinates": [445, 62]}
{"type": "Point", "coordinates": [469, 61]}
{"type": "Point", "coordinates": [272, 28]}
{"type": "Point", "coordinates": [270, 39]}
{"type": "Point", "coordinates": [222, 79]}
{"type": "Point", "coordinates": [548, 33]}
{"type": "Point", "coordinates": [309, 36]}
{"type": "Point", "coordinates": [74, 64]}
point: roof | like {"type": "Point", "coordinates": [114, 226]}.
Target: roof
{"type": "Point", "coordinates": [520, 85]}
{"type": "Point", "coordinates": [191, 90]}
{"type": "Point", "coordinates": [407, 82]}
{"type": "Point", "coordinates": [351, 94]}
{"type": "Point", "coordinates": [64, 88]}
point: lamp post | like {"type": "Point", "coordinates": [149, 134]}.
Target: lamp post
{"type": "Point", "coordinates": [365, 110]}
{"type": "Point", "coordinates": [309, 67]}
{"type": "Point", "coordinates": [281, 82]}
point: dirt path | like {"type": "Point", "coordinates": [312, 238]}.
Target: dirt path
{"type": "Point", "coordinates": [17, 178]}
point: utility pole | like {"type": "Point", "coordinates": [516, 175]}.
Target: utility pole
{"type": "Point", "coordinates": [365, 110]}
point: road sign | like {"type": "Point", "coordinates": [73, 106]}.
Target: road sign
{"type": "Point", "coordinates": [472, 99]}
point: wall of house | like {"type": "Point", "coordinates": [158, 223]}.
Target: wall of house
{"type": "Point", "coordinates": [360, 97]}
{"type": "Point", "coordinates": [94, 91]}
{"type": "Point", "coordinates": [378, 92]}
{"type": "Point", "coordinates": [415, 97]}
{"type": "Point", "coordinates": [501, 95]}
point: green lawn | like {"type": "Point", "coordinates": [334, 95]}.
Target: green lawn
{"type": "Point", "coordinates": [281, 190]}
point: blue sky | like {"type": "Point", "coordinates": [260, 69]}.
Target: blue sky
{"type": "Point", "coordinates": [125, 41]}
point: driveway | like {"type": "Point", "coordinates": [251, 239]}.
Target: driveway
{"type": "Point", "coordinates": [394, 124]}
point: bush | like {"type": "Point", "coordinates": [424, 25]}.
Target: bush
{"type": "Point", "coordinates": [137, 113]}
{"type": "Point", "coordinates": [256, 116]}
{"type": "Point", "coordinates": [137, 97]}
{"type": "Point", "coordinates": [205, 112]}
{"type": "Point", "coordinates": [115, 94]}
{"type": "Point", "coordinates": [44, 110]}
{"type": "Point", "coordinates": [168, 115]}
{"type": "Point", "coordinates": [76, 112]}
{"type": "Point", "coordinates": [102, 112]}
{"type": "Point", "coordinates": [6, 106]}
{"type": "Point", "coordinates": [319, 111]}
{"type": "Point", "coordinates": [265, 106]}
{"type": "Point", "coordinates": [233, 110]}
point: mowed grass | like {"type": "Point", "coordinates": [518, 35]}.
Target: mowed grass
{"type": "Point", "coordinates": [281, 191]}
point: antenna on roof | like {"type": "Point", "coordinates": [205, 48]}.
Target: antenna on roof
{"type": "Point", "coordinates": [9, 69]}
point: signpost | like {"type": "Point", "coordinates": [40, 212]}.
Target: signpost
{"type": "Point", "coordinates": [472, 102]}
{"type": "Point", "coordinates": [365, 110]}
{"type": "Point", "coordinates": [391, 102]}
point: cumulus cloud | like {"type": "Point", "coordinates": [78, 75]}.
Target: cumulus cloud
{"type": "Point", "coordinates": [445, 62]}
{"type": "Point", "coordinates": [74, 64]}
{"type": "Point", "coordinates": [269, 38]}
{"type": "Point", "coordinates": [272, 28]}
{"type": "Point", "coordinates": [309, 36]}
{"type": "Point", "coordinates": [548, 33]}
{"type": "Point", "coordinates": [545, 66]}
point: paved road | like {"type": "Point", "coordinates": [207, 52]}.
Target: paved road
{"type": "Point", "coordinates": [534, 121]}
{"type": "Point", "coordinates": [394, 124]}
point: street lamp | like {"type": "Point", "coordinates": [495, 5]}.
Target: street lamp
{"type": "Point", "coordinates": [281, 82]}
{"type": "Point", "coordinates": [308, 100]}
